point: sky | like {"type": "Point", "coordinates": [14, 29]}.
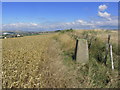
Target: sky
{"type": "Point", "coordinates": [60, 0]}
{"type": "Point", "coordinates": [50, 16]}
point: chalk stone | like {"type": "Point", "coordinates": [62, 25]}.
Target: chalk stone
{"type": "Point", "coordinates": [82, 55]}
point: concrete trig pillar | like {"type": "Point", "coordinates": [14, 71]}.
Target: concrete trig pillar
{"type": "Point", "coordinates": [81, 51]}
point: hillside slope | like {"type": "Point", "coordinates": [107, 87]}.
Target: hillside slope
{"type": "Point", "coordinates": [46, 61]}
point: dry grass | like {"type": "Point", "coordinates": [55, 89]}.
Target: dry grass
{"type": "Point", "coordinates": [39, 62]}
{"type": "Point", "coordinates": [102, 34]}
{"type": "Point", "coordinates": [22, 60]}
{"type": "Point", "coordinates": [35, 61]}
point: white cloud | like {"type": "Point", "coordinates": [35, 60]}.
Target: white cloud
{"type": "Point", "coordinates": [77, 24]}
{"type": "Point", "coordinates": [102, 7]}
{"type": "Point", "coordinates": [82, 22]}
{"type": "Point", "coordinates": [104, 15]}
{"type": "Point", "coordinates": [34, 24]}
{"type": "Point", "coordinates": [113, 23]}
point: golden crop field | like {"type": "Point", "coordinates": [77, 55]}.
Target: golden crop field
{"type": "Point", "coordinates": [38, 62]}
{"type": "Point", "coordinates": [33, 61]}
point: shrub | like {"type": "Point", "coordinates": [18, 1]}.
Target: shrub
{"type": "Point", "coordinates": [67, 30]}
{"type": "Point", "coordinates": [97, 50]}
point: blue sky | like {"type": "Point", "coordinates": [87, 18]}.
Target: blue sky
{"type": "Point", "coordinates": [60, 0]}
{"type": "Point", "coordinates": [38, 16]}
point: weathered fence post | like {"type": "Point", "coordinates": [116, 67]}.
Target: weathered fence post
{"type": "Point", "coordinates": [107, 49]}
{"type": "Point", "coordinates": [81, 51]}
{"type": "Point", "coordinates": [111, 57]}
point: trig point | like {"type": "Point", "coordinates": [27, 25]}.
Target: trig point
{"type": "Point", "coordinates": [81, 51]}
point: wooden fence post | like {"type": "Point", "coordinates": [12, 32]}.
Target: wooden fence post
{"type": "Point", "coordinates": [111, 57]}
{"type": "Point", "coordinates": [107, 49]}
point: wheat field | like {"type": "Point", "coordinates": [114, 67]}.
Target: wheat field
{"type": "Point", "coordinates": [33, 61]}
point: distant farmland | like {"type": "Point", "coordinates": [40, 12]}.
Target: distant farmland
{"type": "Point", "coordinates": [45, 61]}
